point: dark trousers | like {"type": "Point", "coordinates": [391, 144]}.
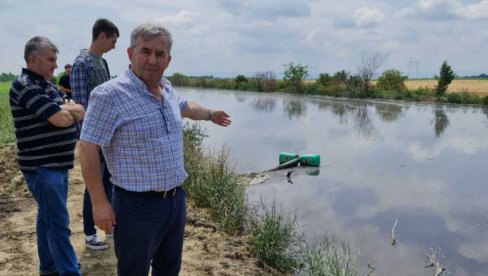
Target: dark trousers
{"type": "Point", "coordinates": [148, 232]}
{"type": "Point", "coordinates": [88, 223]}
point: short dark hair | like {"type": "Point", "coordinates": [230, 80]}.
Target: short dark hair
{"type": "Point", "coordinates": [67, 66]}
{"type": "Point", "coordinates": [35, 45]}
{"type": "Point", "coordinates": [103, 25]}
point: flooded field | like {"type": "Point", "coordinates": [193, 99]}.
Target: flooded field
{"type": "Point", "coordinates": [417, 170]}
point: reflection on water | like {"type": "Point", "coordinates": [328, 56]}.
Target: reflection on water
{"type": "Point", "coordinates": [422, 165]}
{"type": "Point", "coordinates": [441, 121]}
{"type": "Point", "coordinates": [264, 105]}
{"type": "Point", "coordinates": [294, 108]}
{"type": "Point", "coordinates": [389, 112]}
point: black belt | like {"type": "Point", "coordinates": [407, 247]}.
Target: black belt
{"type": "Point", "coordinates": [163, 194]}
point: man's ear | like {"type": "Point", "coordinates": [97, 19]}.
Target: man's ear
{"type": "Point", "coordinates": [130, 52]}
{"type": "Point", "coordinates": [102, 35]}
{"type": "Point", "coordinates": [169, 61]}
{"type": "Point", "coordinates": [31, 59]}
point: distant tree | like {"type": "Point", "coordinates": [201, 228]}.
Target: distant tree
{"type": "Point", "coordinates": [294, 75]}
{"type": "Point", "coordinates": [446, 75]}
{"type": "Point", "coordinates": [353, 83]}
{"type": "Point", "coordinates": [324, 79]}
{"type": "Point", "coordinates": [340, 77]}
{"type": "Point", "coordinates": [240, 78]}
{"type": "Point", "coordinates": [391, 80]}
{"type": "Point", "coordinates": [7, 77]}
{"type": "Point", "coordinates": [369, 64]}
{"type": "Point", "coordinates": [178, 79]}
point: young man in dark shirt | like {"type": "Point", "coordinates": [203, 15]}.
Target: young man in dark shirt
{"type": "Point", "coordinates": [64, 84]}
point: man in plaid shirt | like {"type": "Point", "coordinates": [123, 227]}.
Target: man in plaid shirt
{"type": "Point", "coordinates": [89, 71]}
{"type": "Point", "coordinates": [136, 119]}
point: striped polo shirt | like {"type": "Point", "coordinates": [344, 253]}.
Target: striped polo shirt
{"type": "Point", "coordinates": [39, 143]}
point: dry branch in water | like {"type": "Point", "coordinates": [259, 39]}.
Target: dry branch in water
{"type": "Point", "coordinates": [393, 234]}
{"type": "Point", "coordinates": [438, 269]}
{"type": "Point", "coordinates": [432, 262]}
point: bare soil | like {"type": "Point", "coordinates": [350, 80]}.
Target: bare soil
{"type": "Point", "coordinates": [207, 251]}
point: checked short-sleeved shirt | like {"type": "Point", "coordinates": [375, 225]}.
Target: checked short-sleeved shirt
{"type": "Point", "coordinates": [141, 137]}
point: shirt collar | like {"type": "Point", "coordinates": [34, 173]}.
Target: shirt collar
{"type": "Point", "coordinates": [33, 75]}
{"type": "Point", "coordinates": [165, 84]}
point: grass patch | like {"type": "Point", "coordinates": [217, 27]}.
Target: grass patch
{"type": "Point", "coordinates": [327, 257]}
{"type": "Point", "coordinates": [212, 184]}
{"type": "Point", "coordinates": [274, 237]}
{"type": "Point", "coordinates": [7, 134]}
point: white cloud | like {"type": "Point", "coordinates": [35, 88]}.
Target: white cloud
{"type": "Point", "coordinates": [475, 11]}
{"type": "Point", "coordinates": [367, 17]}
{"type": "Point", "coordinates": [447, 10]}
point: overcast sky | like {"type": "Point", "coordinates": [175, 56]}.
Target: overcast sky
{"type": "Point", "coordinates": [230, 37]}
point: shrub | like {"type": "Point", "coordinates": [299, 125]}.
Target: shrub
{"type": "Point", "coordinates": [485, 100]}
{"type": "Point", "coordinates": [179, 79]}
{"type": "Point", "coordinates": [294, 75]}
{"type": "Point", "coordinates": [240, 78]}
{"type": "Point", "coordinates": [324, 79]}
{"type": "Point", "coordinates": [391, 80]}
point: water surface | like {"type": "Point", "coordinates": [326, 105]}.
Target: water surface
{"type": "Point", "coordinates": [421, 164]}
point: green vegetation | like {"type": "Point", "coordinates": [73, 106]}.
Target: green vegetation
{"type": "Point", "coordinates": [294, 76]}
{"type": "Point", "coordinates": [274, 237]}
{"type": "Point", "coordinates": [445, 77]}
{"type": "Point", "coordinates": [327, 257]}
{"type": "Point", "coordinates": [391, 80]}
{"type": "Point", "coordinates": [212, 184]}
{"type": "Point", "coordinates": [7, 77]}
{"type": "Point", "coordinates": [6, 124]}
{"type": "Point", "coordinates": [278, 240]}
{"type": "Point", "coordinates": [390, 84]}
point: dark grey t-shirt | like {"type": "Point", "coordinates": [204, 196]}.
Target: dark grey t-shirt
{"type": "Point", "coordinates": [100, 75]}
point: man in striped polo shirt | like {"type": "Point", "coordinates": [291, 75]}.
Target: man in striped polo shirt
{"type": "Point", "coordinates": [46, 137]}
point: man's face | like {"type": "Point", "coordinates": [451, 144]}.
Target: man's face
{"type": "Point", "coordinates": [149, 59]}
{"type": "Point", "coordinates": [108, 43]}
{"type": "Point", "coordinates": [67, 71]}
{"type": "Point", "coordinates": [44, 63]}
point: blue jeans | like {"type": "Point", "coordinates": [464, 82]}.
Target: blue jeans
{"type": "Point", "coordinates": [88, 223]}
{"type": "Point", "coordinates": [49, 188]}
{"type": "Point", "coordinates": [149, 232]}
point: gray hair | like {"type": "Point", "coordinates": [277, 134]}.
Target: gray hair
{"type": "Point", "coordinates": [149, 30]}
{"type": "Point", "coordinates": [36, 44]}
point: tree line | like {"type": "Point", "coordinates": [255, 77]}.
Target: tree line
{"type": "Point", "coordinates": [389, 85]}
{"type": "Point", "coordinates": [7, 77]}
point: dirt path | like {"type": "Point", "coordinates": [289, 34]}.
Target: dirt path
{"type": "Point", "coordinates": [206, 250]}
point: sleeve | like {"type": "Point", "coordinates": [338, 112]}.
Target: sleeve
{"type": "Point", "coordinates": [182, 102]}
{"type": "Point", "coordinates": [79, 84]}
{"type": "Point", "coordinates": [37, 102]}
{"type": "Point", "coordinates": [101, 118]}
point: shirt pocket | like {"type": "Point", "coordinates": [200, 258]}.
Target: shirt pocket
{"type": "Point", "coordinates": [142, 129]}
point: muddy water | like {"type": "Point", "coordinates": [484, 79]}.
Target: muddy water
{"type": "Point", "coordinates": [421, 165]}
